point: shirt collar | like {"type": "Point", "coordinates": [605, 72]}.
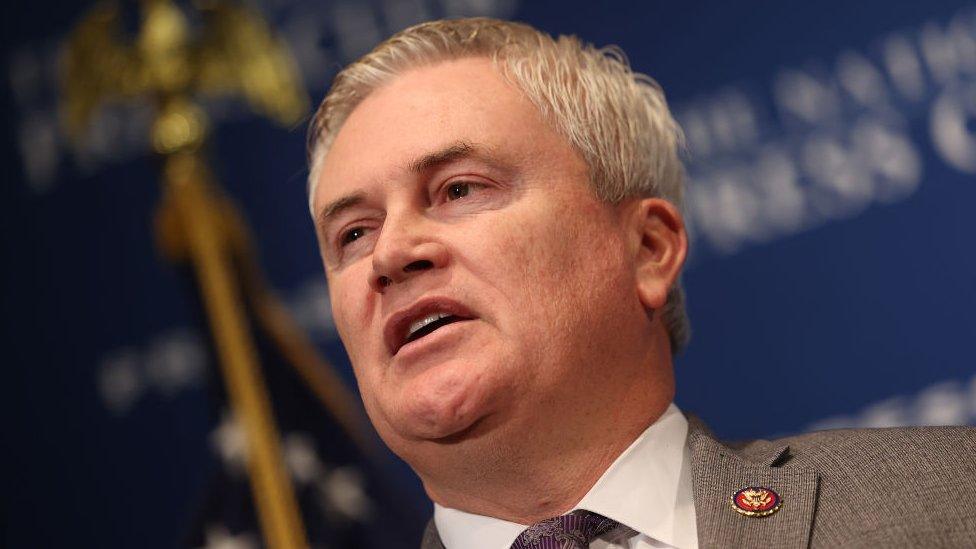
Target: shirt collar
{"type": "Point", "coordinates": [647, 488]}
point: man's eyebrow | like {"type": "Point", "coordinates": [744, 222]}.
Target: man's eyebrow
{"type": "Point", "coordinates": [333, 208]}
{"type": "Point", "coordinates": [456, 151]}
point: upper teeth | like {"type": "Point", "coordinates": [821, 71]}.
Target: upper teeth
{"type": "Point", "coordinates": [418, 324]}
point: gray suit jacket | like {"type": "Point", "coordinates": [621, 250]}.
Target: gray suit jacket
{"type": "Point", "coordinates": [906, 487]}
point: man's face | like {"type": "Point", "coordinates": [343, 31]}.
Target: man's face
{"type": "Point", "coordinates": [476, 280]}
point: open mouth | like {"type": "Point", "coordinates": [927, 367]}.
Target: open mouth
{"type": "Point", "coordinates": [428, 324]}
{"type": "Point", "coordinates": [422, 319]}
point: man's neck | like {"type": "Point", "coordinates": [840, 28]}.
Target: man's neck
{"type": "Point", "coordinates": [528, 481]}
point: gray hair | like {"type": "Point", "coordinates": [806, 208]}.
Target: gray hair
{"type": "Point", "coordinates": [616, 118]}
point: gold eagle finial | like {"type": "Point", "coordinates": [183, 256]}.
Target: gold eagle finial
{"type": "Point", "coordinates": [234, 53]}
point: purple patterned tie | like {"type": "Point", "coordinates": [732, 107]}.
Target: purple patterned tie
{"type": "Point", "coordinates": [573, 531]}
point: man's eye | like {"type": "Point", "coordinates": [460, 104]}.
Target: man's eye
{"type": "Point", "coordinates": [352, 235]}
{"type": "Point", "coordinates": [458, 190]}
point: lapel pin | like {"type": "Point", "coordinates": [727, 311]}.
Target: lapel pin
{"type": "Point", "coordinates": [756, 501]}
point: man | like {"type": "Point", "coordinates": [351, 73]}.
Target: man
{"type": "Point", "coordinates": [499, 218]}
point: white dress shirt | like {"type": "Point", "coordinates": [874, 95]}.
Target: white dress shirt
{"type": "Point", "coordinates": [648, 488]}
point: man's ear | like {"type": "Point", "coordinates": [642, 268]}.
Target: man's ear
{"type": "Point", "coordinates": [661, 245]}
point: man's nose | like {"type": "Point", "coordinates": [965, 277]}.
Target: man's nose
{"type": "Point", "coordinates": [406, 247]}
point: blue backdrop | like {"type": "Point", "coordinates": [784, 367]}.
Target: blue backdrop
{"type": "Point", "coordinates": [832, 158]}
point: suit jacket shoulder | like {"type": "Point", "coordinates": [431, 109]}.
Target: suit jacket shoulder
{"type": "Point", "coordinates": [906, 487]}
{"type": "Point", "coordinates": [901, 487]}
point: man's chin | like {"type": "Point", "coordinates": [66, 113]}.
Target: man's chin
{"type": "Point", "coordinates": [443, 418]}
{"type": "Point", "coordinates": [444, 423]}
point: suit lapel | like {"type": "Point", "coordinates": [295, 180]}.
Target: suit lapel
{"type": "Point", "coordinates": [719, 471]}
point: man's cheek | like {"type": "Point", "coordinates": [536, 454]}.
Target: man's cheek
{"type": "Point", "coordinates": [531, 242]}
{"type": "Point", "coordinates": [344, 316]}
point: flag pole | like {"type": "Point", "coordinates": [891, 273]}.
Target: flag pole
{"type": "Point", "coordinates": [237, 54]}
{"type": "Point", "coordinates": [193, 209]}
